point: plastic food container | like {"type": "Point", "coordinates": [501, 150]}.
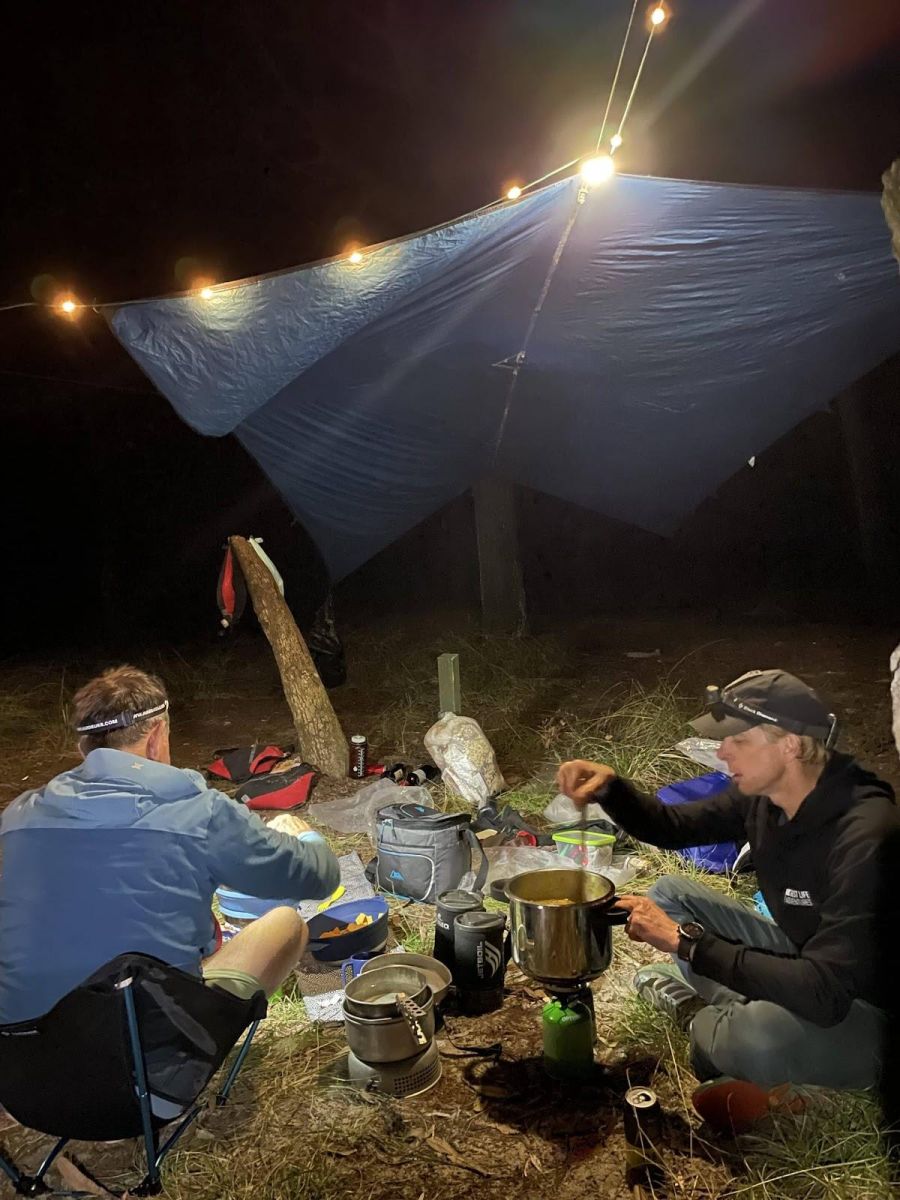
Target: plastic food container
{"type": "Point", "coordinates": [585, 848]}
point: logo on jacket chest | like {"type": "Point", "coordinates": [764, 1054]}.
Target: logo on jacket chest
{"type": "Point", "coordinates": [798, 897]}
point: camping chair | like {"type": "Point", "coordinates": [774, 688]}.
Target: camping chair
{"type": "Point", "coordinates": [127, 1052]}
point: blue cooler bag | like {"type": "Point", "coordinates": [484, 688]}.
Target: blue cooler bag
{"type": "Point", "coordinates": [719, 857]}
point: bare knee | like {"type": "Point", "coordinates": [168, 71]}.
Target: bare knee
{"type": "Point", "coordinates": [287, 926]}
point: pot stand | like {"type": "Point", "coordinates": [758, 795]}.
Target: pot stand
{"type": "Point", "coordinates": [408, 1077]}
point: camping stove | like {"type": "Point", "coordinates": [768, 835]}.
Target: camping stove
{"type": "Point", "coordinates": [570, 1033]}
{"type": "Point", "coordinates": [408, 1077]}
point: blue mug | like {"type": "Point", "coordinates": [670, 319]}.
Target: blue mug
{"type": "Point", "coordinates": [351, 967]}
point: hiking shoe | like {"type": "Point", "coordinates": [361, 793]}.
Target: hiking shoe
{"type": "Point", "coordinates": [663, 987]}
{"type": "Point", "coordinates": [733, 1106]}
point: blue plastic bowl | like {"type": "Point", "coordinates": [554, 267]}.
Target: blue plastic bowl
{"type": "Point", "coordinates": [248, 908]}
{"type": "Point", "coordinates": [370, 937]}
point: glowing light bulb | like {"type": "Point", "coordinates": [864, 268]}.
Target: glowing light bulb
{"type": "Point", "coordinates": [355, 256]}
{"type": "Point", "coordinates": [615, 141]}
{"type": "Point", "coordinates": [206, 293]}
{"type": "Point", "coordinates": [597, 170]}
{"type": "Point", "coordinates": [68, 306]}
{"type": "Point", "coordinates": [514, 192]}
{"type": "Point", "coordinates": [658, 15]}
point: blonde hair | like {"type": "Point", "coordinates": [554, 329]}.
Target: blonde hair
{"type": "Point", "coordinates": [117, 690]}
{"type": "Point", "coordinates": [813, 751]}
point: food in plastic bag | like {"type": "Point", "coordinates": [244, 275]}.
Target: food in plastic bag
{"type": "Point", "coordinates": [702, 751]}
{"type": "Point", "coordinates": [466, 758]}
{"type": "Point", "coordinates": [356, 813]}
{"type": "Point", "coordinates": [562, 811]}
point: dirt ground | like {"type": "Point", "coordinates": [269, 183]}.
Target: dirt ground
{"type": "Point", "coordinates": [495, 1127]}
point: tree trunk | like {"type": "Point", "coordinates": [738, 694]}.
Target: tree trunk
{"type": "Point", "coordinates": [319, 734]}
{"type": "Point", "coordinates": [890, 202]}
{"type": "Point", "coordinates": [499, 568]}
{"type": "Point", "coordinates": [863, 452]}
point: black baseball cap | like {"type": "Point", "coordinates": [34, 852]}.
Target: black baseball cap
{"type": "Point", "coordinates": [765, 698]}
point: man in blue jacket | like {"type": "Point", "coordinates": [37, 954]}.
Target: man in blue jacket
{"type": "Point", "coordinates": [793, 1000]}
{"type": "Point", "coordinates": [124, 853]}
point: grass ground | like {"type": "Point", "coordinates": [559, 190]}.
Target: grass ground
{"type": "Point", "coordinates": [295, 1131]}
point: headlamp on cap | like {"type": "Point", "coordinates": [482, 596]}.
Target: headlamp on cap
{"type": "Point", "coordinates": [122, 720]}
{"type": "Point", "coordinates": [722, 702]}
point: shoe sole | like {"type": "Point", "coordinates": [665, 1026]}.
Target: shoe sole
{"type": "Point", "coordinates": [736, 1106]}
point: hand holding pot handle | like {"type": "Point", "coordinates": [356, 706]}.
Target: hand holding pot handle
{"type": "Point", "coordinates": [581, 780]}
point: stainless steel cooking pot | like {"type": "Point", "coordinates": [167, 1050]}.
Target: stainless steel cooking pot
{"type": "Point", "coordinates": [562, 944]}
{"type": "Point", "coordinates": [387, 1039]}
{"type": "Point", "coordinates": [373, 993]}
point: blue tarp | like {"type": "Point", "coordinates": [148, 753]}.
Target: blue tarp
{"type": "Point", "coordinates": [681, 328]}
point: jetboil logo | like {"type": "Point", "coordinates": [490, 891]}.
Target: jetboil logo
{"type": "Point", "coordinates": [488, 959]}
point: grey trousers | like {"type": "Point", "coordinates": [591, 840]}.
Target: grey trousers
{"type": "Point", "coordinates": [755, 1039]}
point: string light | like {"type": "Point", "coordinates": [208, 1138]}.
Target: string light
{"type": "Point", "coordinates": [597, 170]}
{"type": "Point", "coordinates": [658, 16]}
{"type": "Point", "coordinates": [67, 306]}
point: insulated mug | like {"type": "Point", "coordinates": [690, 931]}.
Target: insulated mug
{"type": "Point", "coordinates": [449, 906]}
{"type": "Point", "coordinates": [481, 953]}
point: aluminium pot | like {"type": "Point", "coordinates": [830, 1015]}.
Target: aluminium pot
{"type": "Point", "coordinates": [387, 1039]}
{"type": "Point", "coordinates": [562, 945]}
{"type": "Point", "coordinates": [372, 993]}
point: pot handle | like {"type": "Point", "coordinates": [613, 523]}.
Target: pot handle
{"type": "Point", "coordinates": [411, 1014]}
{"type": "Point", "coordinates": [499, 892]}
{"type": "Point", "coordinates": [616, 916]}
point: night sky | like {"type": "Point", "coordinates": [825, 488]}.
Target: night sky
{"type": "Point", "coordinates": [148, 144]}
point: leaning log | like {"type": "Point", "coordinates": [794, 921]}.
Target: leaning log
{"type": "Point", "coordinates": [319, 734]}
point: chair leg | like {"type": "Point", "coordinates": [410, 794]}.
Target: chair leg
{"type": "Point", "coordinates": [31, 1185]}
{"type": "Point", "coordinates": [221, 1098]}
{"type": "Point", "coordinates": [152, 1183]}
{"type": "Point", "coordinates": [222, 1095]}
{"type": "Point", "coordinates": [9, 1168]}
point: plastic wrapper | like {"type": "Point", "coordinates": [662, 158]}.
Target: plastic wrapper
{"type": "Point", "coordinates": [562, 811]}
{"type": "Point", "coordinates": [466, 758]}
{"type": "Point", "coordinates": [356, 813]}
{"type": "Point", "coordinates": [702, 751]}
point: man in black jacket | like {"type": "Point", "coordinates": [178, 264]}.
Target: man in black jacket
{"type": "Point", "coordinates": [793, 1000]}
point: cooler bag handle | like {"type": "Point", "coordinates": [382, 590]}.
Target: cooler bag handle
{"type": "Point", "coordinates": [481, 874]}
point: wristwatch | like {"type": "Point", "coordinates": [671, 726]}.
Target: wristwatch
{"type": "Point", "coordinates": [689, 935]}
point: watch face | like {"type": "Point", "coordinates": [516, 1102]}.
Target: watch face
{"type": "Point", "coordinates": [692, 931]}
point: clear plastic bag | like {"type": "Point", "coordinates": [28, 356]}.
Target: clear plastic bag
{"type": "Point", "coordinates": [702, 751]}
{"type": "Point", "coordinates": [562, 811]}
{"type": "Point", "coordinates": [506, 861]}
{"type": "Point", "coordinates": [466, 758]}
{"type": "Point", "coordinates": [623, 869]}
{"type": "Point", "coordinates": [356, 813]}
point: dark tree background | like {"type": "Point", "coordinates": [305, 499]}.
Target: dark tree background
{"type": "Point", "coordinates": [146, 145]}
